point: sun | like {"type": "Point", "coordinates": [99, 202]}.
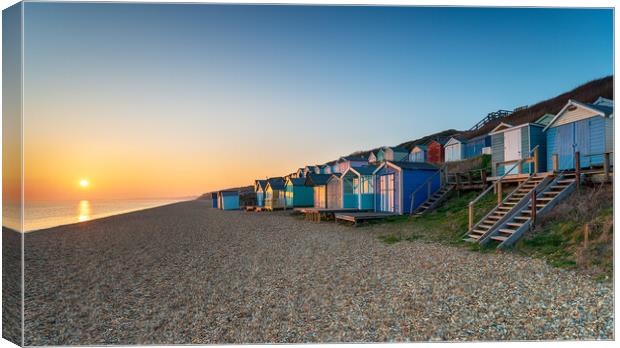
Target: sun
{"type": "Point", "coordinates": [84, 183]}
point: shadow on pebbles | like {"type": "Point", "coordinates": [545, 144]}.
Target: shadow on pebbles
{"type": "Point", "coordinates": [185, 273]}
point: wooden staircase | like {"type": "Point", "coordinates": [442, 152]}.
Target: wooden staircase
{"type": "Point", "coordinates": [500, 213]}
{"type": "Point", "coordinates": [520, 221]}
{"type": "Point", "coordinates": [434, 200]}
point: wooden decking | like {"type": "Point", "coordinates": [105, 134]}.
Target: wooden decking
{"type": "Point", "coordinates": [318, 214]}
{"type": "Point", "coordinates": [359, 217]}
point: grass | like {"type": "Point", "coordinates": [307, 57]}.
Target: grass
{"type": "Point", "coordinates": [559, 237]}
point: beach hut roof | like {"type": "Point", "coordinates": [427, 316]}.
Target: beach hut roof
{"type": "Point", "coordinates": [409, 165]}
{"type": "Point", "coordinates": [352, 158]}
{"type": "Point", "coordinates": [317, 179]}
{"type": "Point", "coordinates": [276, 183]}
{"type": "Point", "coordinates": [296, 181]}
{"type": "Point", "coordinates": [421, 147]}
{"type": "Point", "coordinates": [545, 119]}
{"type": "Point", "coordinates": [601, 110]}
{"type": "Point", "coordinates": [261, 183]}
{"type": "Point", "coordinates": [364, 170]}
{"type": "Point", "coordinates": [334, 176]}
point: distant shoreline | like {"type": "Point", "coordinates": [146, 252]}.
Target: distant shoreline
{"type": "Point", "coordinates": [97, 219]}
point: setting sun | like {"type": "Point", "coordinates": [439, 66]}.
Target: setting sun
{"type": "Point", "coordinates": [84, 183]}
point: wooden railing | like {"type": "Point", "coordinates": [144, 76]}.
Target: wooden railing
{"type": "Point", "coordinates": [521, 162]}
{"type": "Point", "coordinates": [498, 186]}
{"type": "Point", "coordinates": [428, 184]}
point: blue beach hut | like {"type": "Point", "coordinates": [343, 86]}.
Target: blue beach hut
{"type": "Point", "coordinates": [228, 200]}
{"type": "Point", "coordinates": [582, 127]}
{"type": "Point", "coordinates": [259, 189]}
{"type": "Point", "coordinates": [418, 154]}
{"type": "Point", "coordinates": [357, 187]}
{"type": "Point", "coordinates": [214, 200]}
{"type": "Point", "coordinates": [297, 193]}
{"type": "Point", "coordinates": [476, 146]}
{"type": "Point", "coordinates": [395, 182]}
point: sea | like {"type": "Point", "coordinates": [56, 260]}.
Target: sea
{"type": "Point", "coordinates": [41, 215]}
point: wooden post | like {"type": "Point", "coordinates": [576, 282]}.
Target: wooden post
{"type": "Point", "coordinates": [520, 167]}
{"type": "Point", "coordinates": [471, 215]}
{"type": "Point", "coordinates": [535, 160]}
{"type": "Point", "coordinates": [606, 166]}
{"type": "Point", "coordinates": [578, 170]}
{"type": "Point", "coordinates": [458, 181]}
{"type": "Point", "coordinates": [483, 176]}
{"type": "Point", "coordinates": [554, 158]}
{"type": "Point", "coordinates": [586, 236]}
{"type": "Point", "coordinates": [533, 201]}
{"type": "Point", "coordinates": [470, 179]}
{"type": "Point", "coordinates": [499, 192]}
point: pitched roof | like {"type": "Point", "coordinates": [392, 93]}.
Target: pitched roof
{"type": "Point", "coordinates": [365, 170]}
{"type": "Point", "coordinates": [421, 147]}
{"type": "Point", "coordinates": [415, 165]}
{"type": "Point", "coordinates": [297, 181]}
{"type": "Point", "coordinates": [276, 183]}
{"type": "Point", "coordinates": [317, 179]}
{"type": "Point", "coordinates": [602, 110]}
{"type": "Point", "coordinates": [261, 183]}
{"type": "Point", "coordinates": [352, 158]}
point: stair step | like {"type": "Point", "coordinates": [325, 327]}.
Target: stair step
{"type": "Point", "coordinates": [566, 181]}
{"type": "Point", "coordinates": [507, 230]}
{"type": "Point", "coordinates": [499, 238]}
{"type": "Point", "coordinates": [477, 231]}
{"type": "Point", "coordinates": [545, 198]}
{"type": "Point", "coordinates": [514, 224]}
{"type": "Point", "coordinates": [524, 218]}
{"type": "Point", "coordinates": [487, 226]}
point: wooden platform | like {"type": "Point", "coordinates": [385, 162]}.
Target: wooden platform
{"type": "Point", "coordinates": [359, 217]}
{"type": "Point", "coordinates": [318, 214]}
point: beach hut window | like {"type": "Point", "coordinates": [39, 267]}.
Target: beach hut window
{"type": "Point", "coordinates": [367, 184]}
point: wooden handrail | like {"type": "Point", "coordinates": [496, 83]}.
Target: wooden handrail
{"type": "Point", "coordinates": [498, 182]}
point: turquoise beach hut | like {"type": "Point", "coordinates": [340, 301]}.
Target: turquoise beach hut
{"type": "Point", "coordinates": [318, 182]}
{"type": "Point", "coordinates": [228, 200]}
{"type": "Point", "coordinates": [297, 193]}
{"type": "Point", "coordinates": [580, 127]}
{"type": "Point", "coordinates": [357, 187]}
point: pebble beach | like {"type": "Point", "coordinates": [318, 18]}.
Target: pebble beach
{"type": "Point", "coordinates": [185, 273]}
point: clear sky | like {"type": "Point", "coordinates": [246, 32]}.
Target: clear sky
{"type": "Point", "coordinates": [148, 100]}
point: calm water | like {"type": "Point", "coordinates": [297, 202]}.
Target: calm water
{"type": "Point", "coordinates": [49, 214]}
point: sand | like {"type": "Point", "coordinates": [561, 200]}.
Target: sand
{"type": "Point", "coordinates": [185, 273]}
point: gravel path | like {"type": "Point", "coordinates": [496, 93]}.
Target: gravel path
{"type": "Point", "coordinates": [188, 274]}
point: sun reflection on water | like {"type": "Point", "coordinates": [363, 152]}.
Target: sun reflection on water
{"type": "Point", "coordinates": [84, 211]}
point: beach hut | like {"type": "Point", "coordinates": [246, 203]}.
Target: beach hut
{"type": "Point", "coordinates": [347, 162]}
{"type": "Point", "coordinates": [357, 187]}
{"type": "Point", "coordinates": [580, 127]}
{"type": "Point", "coordinates": [300, 173]}
{"type": "Point", "coordinates": [259, 189]}
{"type": "Point", "coordinates": [395, 183]}
{"type": "Point", "coordinates": [334, 191]}
{"type": "Point", "coordinates": [214, 200]}
{"type": "Point", "coordinates": [418, 153]}
{"type": "Point", "coordinates": [511, 143]}
{"type": "Point", "coordinates": [318, 182]}
{"type": "Point", "coordinates": [297, 194]}
{"type": "Point", "coordinates": [228, 200]}
{"type": "Point", "coordinates": [372, 157]}
{"type": "Point", "coordinates": [477, 146]}
{"type": "Point", "coordinates": [455, 149]}
{"type": "Point", "coordinates": [311, 169]}
{"type": "Point", "coordinates": [392, 153]}
{"type": "Point", "coordinates": [274, 194]}
{"type": "Point", "coordinates": [435, 151]}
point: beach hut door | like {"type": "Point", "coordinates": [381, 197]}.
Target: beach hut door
{"type": "Point", "coordinates": [387, 193]}
{"type": "Point", "coordinates": [512, 149]}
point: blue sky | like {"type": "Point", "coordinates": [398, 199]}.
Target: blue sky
{"type": "Point", "coordinates": [278, 87]}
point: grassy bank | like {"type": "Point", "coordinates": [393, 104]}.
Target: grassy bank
{"type": "Point", "coordinates": [559, 237]}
